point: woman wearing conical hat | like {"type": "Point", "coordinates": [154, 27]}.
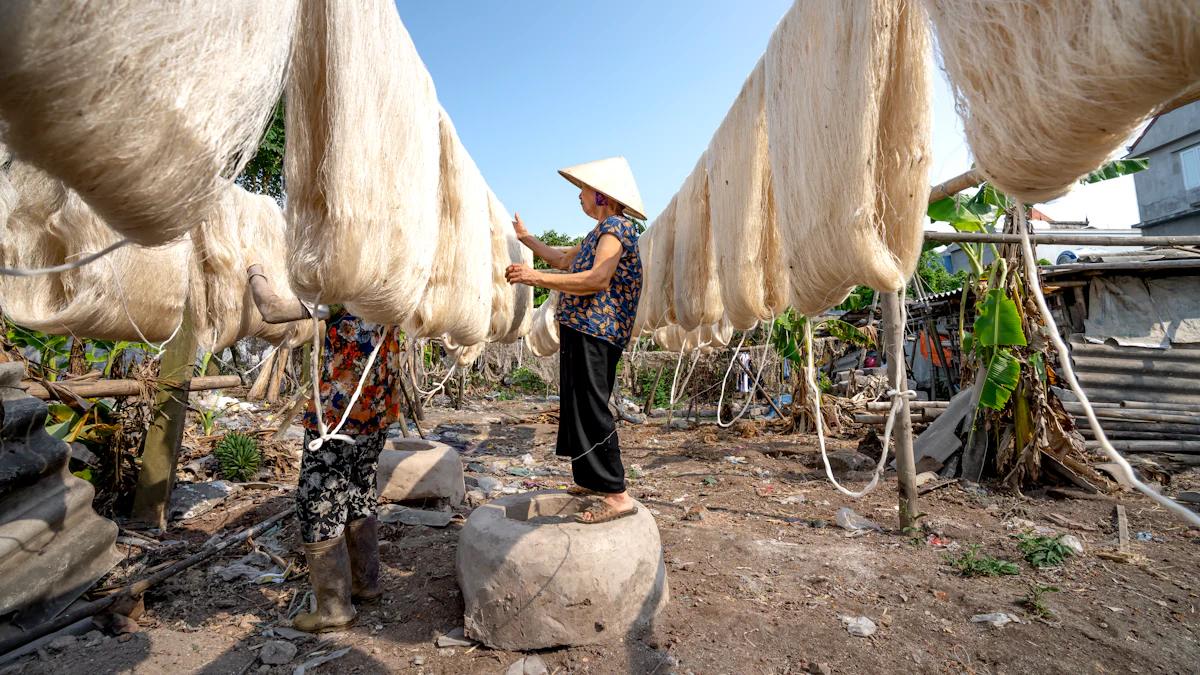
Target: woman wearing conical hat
{"type": "Point", "coordinates": [598, 300]}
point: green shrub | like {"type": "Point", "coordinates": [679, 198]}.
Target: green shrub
{"type": "Point", "coordinates": [527, 381]}
{"type": "Point", "coordinates": [238, 456]}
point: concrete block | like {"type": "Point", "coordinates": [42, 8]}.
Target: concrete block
{"type": "Point", "coordinates": [532, 578]}
{"type": "Point", "coordinates": [411, 468]}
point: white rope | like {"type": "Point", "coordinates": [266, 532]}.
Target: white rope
{"type": "Point", "coordinates": [65, 266]}
{"type": "Point", "coordinates": [315, 376]}
{"type": "Point", "coordinates": [896, 393]}
{"type": "Point", "coordinates": [1064, 357]}
{"type": "Point", "coordinates": [753, 388]}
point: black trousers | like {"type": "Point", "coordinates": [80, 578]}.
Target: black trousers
{"type": "Point", "coordinates": [587, 432]}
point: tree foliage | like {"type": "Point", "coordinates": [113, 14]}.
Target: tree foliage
{"type": "Point", "coordinates": [264, 172]}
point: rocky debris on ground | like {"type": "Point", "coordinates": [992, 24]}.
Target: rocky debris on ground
{"type": "Point", "coordinates": [196, 499]}
{"type": "Point", "coordinates": [320, 660]}
{"type": "Point", "coordinates": [530, 665]}
{"type": "Point", "coordinates": [277, 652]}
{"type": "Point", "coordinates": [847, 461]}
{"type": "Point", "coordinates": [455, 638]}
{"type": "Point", "coordinates": [394, 513]}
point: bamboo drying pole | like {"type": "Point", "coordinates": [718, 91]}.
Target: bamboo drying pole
{"type": "Point", "coordinates": [1067, 239]}
{"type": "Point", "coordinates": [116, 388]}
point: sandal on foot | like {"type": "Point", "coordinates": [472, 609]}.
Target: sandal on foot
{"type": "Point", "coordinates": [603, 512]}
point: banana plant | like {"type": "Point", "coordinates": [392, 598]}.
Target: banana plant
{"type": "Point", "coordinates": [997, 327]}
{"type": "Point", "coordinates": [788, 335]}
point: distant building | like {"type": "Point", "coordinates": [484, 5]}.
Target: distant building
{"type": "Point", "coordinates": [1168, 192]}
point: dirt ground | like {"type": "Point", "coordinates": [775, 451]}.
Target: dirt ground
{"type": "Point", "coordinates": [759, 577]}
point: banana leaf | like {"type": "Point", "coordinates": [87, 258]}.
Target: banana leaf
{"type": "Point", "coordinates": [998, 323]}
{"type": "Point", "coordinates": [1003, 374]}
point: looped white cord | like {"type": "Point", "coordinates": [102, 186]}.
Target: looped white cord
{"type": "Point", "coordinates": [757, 379]}
{"type": "Point", "coordinates": [314, 369]}
{"type": "Point", "coordinates": [1064, 357]}
{"type": "Point", "coordinates": [896, 393]}
{"type": "Point", "coordinates": [65, 266]}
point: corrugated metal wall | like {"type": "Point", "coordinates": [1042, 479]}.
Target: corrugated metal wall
{"type": "Point", "coordinates": [1111, 374]}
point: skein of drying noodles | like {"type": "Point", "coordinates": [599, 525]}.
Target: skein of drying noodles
{"type": "Point", "coordinates": [745, 230]}
{"type": "Point", "coordinates": [510, 327]}
{"type": "Point", "coordinates": [147, 108]}
{"type": "Point", "coordinates": [697, 286]}
{"type": "Point", "coordinates": [848, 93]}
{"type": "Point", "coordinates": [133, 294]}
{"type": "Point", "coordinates": [674, 338]}
{"type": "Point", "coordinates": [542, 339]}
{"type": "Point", "coordinates": [228, 312]}
{"type": "Point", "coordinates": [458, 355]}
{"type": "Point", "coordinates": [458, 298]}
{"type": "Point", "coordinates": [1050, 91]}
{"type": "Point", "coordinates": [658, 291]}
{"type": "Point", "coordinates": [641, 321]}
{"type": "Point", "coordinates": [361, 162]}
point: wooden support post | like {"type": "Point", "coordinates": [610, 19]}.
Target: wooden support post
{"type": "Point", "coordinates": [905, 466]}
{"type": "Point", "coordinates": [259, 389]}
{"type": "Point", "coordinates": [277, 373]}
{"type": "Point", "coordinates": [649, 407]}
{"type": "Point", "coordinates": [160, 449]}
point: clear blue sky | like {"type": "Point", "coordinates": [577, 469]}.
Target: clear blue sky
{"type": "Point", "coordinates": [534, 86]}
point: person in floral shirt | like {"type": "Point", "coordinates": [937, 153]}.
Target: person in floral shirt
{"type": "Point", "coordinates": [336, 498]}
{"type": "Point", "coordinates": [598, 300]}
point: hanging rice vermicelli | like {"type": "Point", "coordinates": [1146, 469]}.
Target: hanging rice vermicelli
{"type": "Point", "coordinates": [1050, 91]}
{"type": "Point", "coordinates": [848, 119]}
{"type": "Point", "coordinates": [745, 230]}
{"type": "Point", "coordinates": [658, 291]}
{"type": "Point", "coordinates": [543, 335]}
{"type": "Point", "coordinates": [51, 225]}
{"type": "Point", "coordinates": [697, 286]}
{"type": "Point", "coordinates": [362, 161]}
{"type": "Point", "coordinates": [458, 298]}
{"type": "Point", "coordinates": [147, 108]}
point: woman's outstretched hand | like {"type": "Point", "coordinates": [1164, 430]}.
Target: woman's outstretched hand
{"type": "Point", "coordinates": [519, 226]}
{"type": "Point", "coordinates": [522, 274]}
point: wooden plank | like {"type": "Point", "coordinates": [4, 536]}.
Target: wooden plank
{"type": "Point", "coordinates": [165, 434]}
{"type": "Point", "coordinates": [1122, 529]}
{"type": "Point", "coordinates": [119, 388]}
{"type": "Point", "coordinates": [1168, 416]}
{"type": "Point", "coordinates": [1149, 405]}
{"type": "Point", "coordinates": [259, 389]}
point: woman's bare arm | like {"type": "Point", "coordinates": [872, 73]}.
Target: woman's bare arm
{"type": "Point", "coordinates": [273, 308]}
{"type": "Point", "coordinates": [556, 258]}
{"type": "Point", "coordinates": [599, 278]}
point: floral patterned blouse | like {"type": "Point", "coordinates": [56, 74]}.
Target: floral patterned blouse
{"type": "Point", "coordinates": [349, 341]}
{"type": "Point", "coordinates": [608, 314]}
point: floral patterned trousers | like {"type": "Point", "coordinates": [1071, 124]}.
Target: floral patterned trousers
{"type": "Point", "coordinates": [337, 485]}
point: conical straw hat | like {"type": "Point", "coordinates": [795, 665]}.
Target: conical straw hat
{"type": "Point", "coordinates": [612, 178]}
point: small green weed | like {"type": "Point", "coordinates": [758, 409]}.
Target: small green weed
{"type": "Point", "coordinates": [238, 456]}
{"type": "Point", "coordinates": [634, 474]}
{"type": "Point", "coordinates": [1044, 551]}
{"type": "Point", "coordinates": [208, 419]}
{"type": "Point", "coordinates": [976, 564]}
{"type": "Point", "coordinates": [914, 530]}
{"type": "Point", "coordinates": [1035, 600]}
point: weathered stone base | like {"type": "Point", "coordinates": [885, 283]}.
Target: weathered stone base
{"type": "Point", "coordinates": [411, 468]}
{"type": "Point", "coordinates": [533, 578]}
